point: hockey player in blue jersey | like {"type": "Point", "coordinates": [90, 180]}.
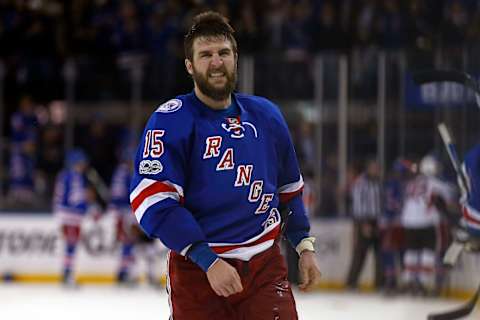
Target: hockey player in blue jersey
{"type": "Point", "coordinates": [73, 198]}
{"type": "Point", "coordinates": [129, 235]}
{"type": "Point", "coordinates": [125, 220]}
{"type": "Point", "coordinates": [391, 230]}
{"type": "Point", "coordinates": [470, 199]}
{"type": "Point", "coordinates": [210, 174]}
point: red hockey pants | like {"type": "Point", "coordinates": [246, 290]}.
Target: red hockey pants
{"type": "Point", "coordinates": [266, 291]}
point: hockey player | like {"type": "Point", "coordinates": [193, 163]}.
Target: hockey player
{"type": "Point", "coordinates": [470, 199]}
{"type": "Point", "coordinates": [128, 231]}
{"type": "Point", "coordinates": [391, 231]}
{"type": "Point", "coordinates": [73, 198]}
{"type": "Point", "coordinates": [125, 220]}
{"type": "Point", "coordinates": [210, 174]}
{"type": "Point", "coordinates": [421, 218]}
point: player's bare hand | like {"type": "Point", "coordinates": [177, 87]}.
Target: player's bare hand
{"type": "Point", "coordinates": [309, 271]}
{"type": "Point", "coordinates": [224, 279]}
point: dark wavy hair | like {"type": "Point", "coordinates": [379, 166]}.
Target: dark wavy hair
{"type": "Point", "coordinates": [208, 24]}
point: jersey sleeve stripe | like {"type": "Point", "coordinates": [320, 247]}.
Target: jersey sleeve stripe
{"type": "Point", "coordinates": [155, 188]}
{"type": "Point", "coordinates": [286, 197]}
{"type": "Point", "coordinates": [471, 215]}
{"type": "Point", "coordinates": [291, 187]}
{"type": "Point", "coordinates": [149, 192]}
{"type": "Point", "coordinates": [150, 201]}
{"type": "Point", "coordinates": [145, 187]}
{"type": "Point", "coordinates": [144, 183]}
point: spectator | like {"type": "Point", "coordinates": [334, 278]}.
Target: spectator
{"type": "Point", "coordinates": [162, 31]}
{"type": "Point", "coordinates": [418, 27]}
{"type": "Point", "coordinates": [455, 24]}
{"type": "Point", "coordinates": [24, 134]}
{"type": "Point", "coordinates": [391, 25]}
{"type": "Point", "coordinates": [97, 143]}
{"type": "Point", "coordinates": [365, 23]}
{"type": "Point", "coordinates": [129, 33]}
{"type": "Point", "coordinates": [50, 155]}
{"type": "Point", "coordinates": [275, 16]}
{"type": "Point", "coordinates": [250, 34]}
{"type": "Point", "coordinates": [328, 33]}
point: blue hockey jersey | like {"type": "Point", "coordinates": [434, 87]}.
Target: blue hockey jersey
{"type": "Point", "coordinates": [70, 201]}
{"type": "Point", "coordinates": [24, 127]}
{"type": "Point", "coordinates": [471, 205]}
{"type": "Point", "coordinates": [203, 175]}
{"type": "Point", "coordinates": [120, 189]}
{"type": "Point", "coordinates": [393, 199]}
{"type": "Point", "coordinates": [22, 170]}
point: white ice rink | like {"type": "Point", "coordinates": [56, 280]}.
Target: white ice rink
{"type": "Point", "coordinates": [51, 302]}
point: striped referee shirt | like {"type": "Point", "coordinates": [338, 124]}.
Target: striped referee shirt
{"type": "Point", "coordinates": [367, 198]}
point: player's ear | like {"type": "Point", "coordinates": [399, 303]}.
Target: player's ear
{"type": "Point", "coordinates": [189, 66]}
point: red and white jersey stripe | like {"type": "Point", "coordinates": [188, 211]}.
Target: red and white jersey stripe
{"type": "Point", "coordinates": [149, 192]}
{"type": "Point", "coordinates": [471, 217]}
{"type": "Point", "coordinates": [289, 191]}
{"type": "Point", "coordinates": [247, 249]}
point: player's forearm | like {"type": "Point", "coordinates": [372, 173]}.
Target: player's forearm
{"type": "Point", "coordinates": [298, 226]}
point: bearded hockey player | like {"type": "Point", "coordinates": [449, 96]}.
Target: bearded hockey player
{"type": "Point", "coordinates": [210, 174]}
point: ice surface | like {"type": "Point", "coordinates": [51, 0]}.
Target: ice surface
{"type": "Point", "coordinates": [53, 302]}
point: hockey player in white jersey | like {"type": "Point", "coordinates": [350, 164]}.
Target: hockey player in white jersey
{"type": "Point", "coordinates": [420, 218]}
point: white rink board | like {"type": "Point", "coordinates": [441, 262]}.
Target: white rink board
{"type": "Point", "coordinates": [334, 250]}
{"type": "Point", "coordinates": [334, 246]}
{"type": "Point", "coordinates": [32, 244]}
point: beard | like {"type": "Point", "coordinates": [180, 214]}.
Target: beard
{"type": "Point", "coordinates": [211, 91]}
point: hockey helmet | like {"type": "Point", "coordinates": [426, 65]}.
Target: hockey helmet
{"type": "Point", "coordinates": [430, 166]}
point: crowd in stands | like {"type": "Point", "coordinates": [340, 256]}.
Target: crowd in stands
{"type": "Point", "coordinates": [36, 37]}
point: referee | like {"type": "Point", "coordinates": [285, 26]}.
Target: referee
{"type": "Point", "coordinates": [366, 193]}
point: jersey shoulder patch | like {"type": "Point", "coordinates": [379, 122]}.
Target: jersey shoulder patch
{"type": "Point", "coordinates": [170, 106]}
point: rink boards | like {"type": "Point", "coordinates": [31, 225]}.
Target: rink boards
{"type": "Point", "coordinates": [31, 249]}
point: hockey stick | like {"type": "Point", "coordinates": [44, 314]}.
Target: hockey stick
{"type": "Point", "coordinates": [429, 76]}
{"type": "Point", "coordinates": [100, 186]}
{"type": "Point", "coordinates": [456, 248]}
{"type": "Point", "coordinates": [452, 154]}
{"type": "Point", "coordinates": [461, 312]}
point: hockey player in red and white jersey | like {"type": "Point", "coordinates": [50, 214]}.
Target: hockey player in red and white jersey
{"type": "Point", "coordinates": [421, 216]}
